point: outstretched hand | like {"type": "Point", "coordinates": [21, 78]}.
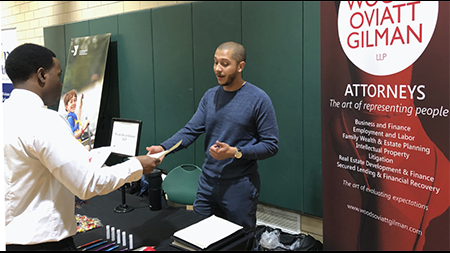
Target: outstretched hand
{"type": "Point", "coordinates": [154, 150]}
{"type": "Point", "coordinates": [148, 163]}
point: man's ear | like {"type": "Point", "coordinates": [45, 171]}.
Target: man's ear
{"type": "Point", "coordinates": [41, 76]}
{"type": "Point", "coordinates": [241, 66]}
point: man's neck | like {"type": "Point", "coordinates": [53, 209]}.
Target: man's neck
{"type": "Point", "coordinates": [236, 85]}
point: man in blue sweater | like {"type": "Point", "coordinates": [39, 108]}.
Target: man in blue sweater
{"type": "Point", "coordinates": [240, 127]}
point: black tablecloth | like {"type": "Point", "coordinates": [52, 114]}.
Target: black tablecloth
{"type": "Point", "coordinates": [149, 228]}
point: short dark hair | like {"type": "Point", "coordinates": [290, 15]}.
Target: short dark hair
{"type": "Point", "coordinates": [69, 95]}
{"type": "Point", "coordinates": [239, 53]}
{"type": "Point", "coordinates": [26, 59]}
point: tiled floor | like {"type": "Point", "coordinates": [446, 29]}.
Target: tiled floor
{"type": "Point", "coordinates": [312, 225]}
{"type": "Point", "coordinates": [289, 221]}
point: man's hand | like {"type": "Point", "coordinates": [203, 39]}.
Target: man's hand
{"type": "Point", "coordinates": [221, 150]}
{"type": "Point", "coordinates": [155, 149]}
{"type": "Point", "coordinates": [148, 163]}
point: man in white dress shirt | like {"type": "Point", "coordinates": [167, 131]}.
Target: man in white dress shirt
{"type": "Point", "coordinates": [45, 167]}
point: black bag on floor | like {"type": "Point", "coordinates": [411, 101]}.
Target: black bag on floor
{"type": "Point", "coordinates": [274, 239]}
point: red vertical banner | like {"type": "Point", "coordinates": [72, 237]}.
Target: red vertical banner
{"type": "Point", "coordinates": [385, 125]}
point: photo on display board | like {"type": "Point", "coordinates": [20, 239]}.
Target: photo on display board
{"type": "Point", "coordinates": [83, 84]}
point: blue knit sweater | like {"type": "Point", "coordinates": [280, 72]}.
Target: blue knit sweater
{"type": "Point", "coordinates": [244, 118]}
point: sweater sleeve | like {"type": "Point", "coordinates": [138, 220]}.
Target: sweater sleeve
{"type": "Point", "coordinates": [191, 131]}
{"type": "Point", "coordinates": [267, 132]}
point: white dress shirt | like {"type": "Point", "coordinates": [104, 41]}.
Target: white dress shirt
{"type": "Point", "coordinates": [44, 168]}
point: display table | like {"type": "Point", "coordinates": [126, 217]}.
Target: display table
{"type": "Point", "coordinates": [149, 228]}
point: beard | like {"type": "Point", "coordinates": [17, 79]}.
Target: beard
{"type": "Point", "coordinates": [230, 79]}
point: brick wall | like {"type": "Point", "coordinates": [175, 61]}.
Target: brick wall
{"type": "Point", "coordinates": [30, 17]}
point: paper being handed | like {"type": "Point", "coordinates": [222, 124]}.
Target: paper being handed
{"type": "Point", "coordinates": [162, 153]}
{"type": "Point", "coordinates": [98, 156]}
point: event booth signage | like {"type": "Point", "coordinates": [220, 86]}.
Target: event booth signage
{"type": "Point", "coordinates": [385, 125]}
{"type": "Point", "coordinates": [85, 73]}
{"type": "Point", "coordinates": [8, 43]}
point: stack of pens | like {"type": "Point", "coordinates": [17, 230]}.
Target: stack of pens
{"type": "Point", "coordinates": [114, 239]}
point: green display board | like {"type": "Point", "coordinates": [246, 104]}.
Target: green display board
{"type": "Point", "coordinates": [164, 57]}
